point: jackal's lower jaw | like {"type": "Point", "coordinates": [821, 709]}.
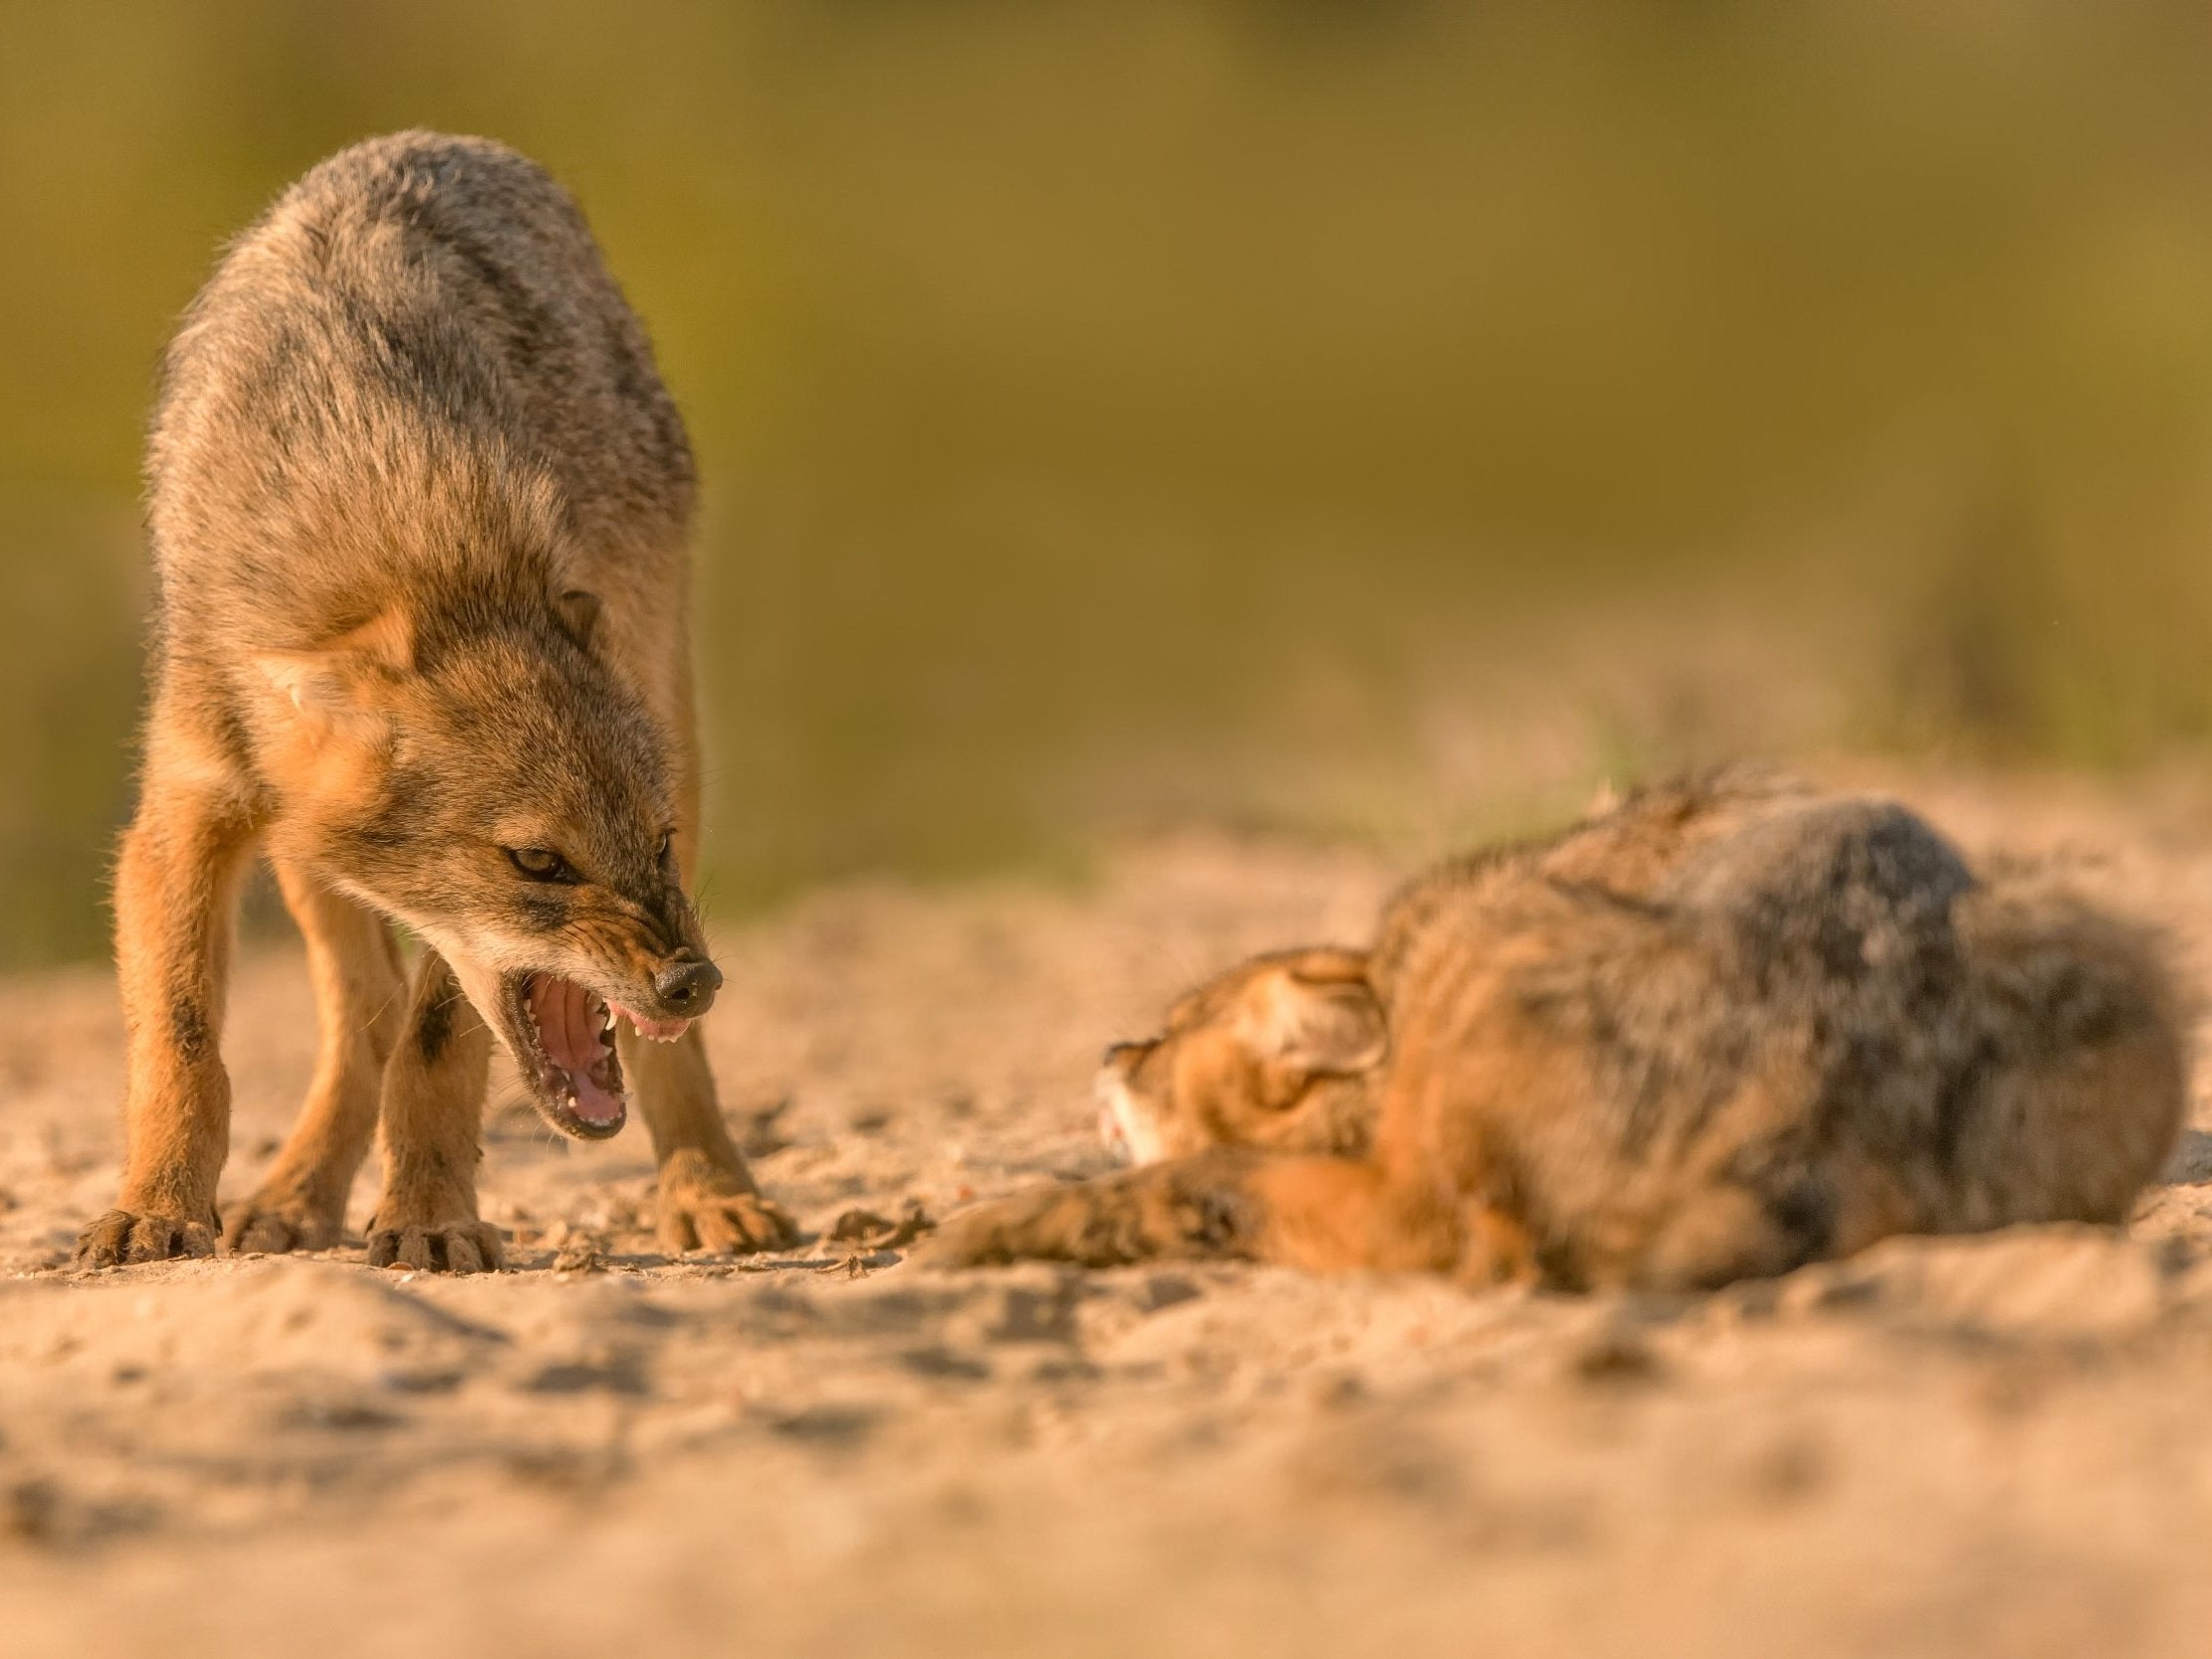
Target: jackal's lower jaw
{"type": "Point", "coordinates": [562, 1035]}
{"type": "Point", "coordinates": [566, 1055]}
{"type": "Point", "coordinates": [563, 1040]}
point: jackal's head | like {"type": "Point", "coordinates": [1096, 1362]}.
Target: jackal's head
{"type": "Point", "coordinates": [505, 794]}
{"type": "Point", "coordinates": [1279, 1052]}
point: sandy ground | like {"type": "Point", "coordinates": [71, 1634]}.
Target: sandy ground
{"type": "Point", "coordinates": [1989, 1446]}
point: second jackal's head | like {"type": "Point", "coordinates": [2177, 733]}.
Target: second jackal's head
{"type": "Point", "coordinates": [506, 795]}
{"type": "Point", "coordinates": [1279, 1052]}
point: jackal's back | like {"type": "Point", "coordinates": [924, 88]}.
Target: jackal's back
{"type": "Point", "coordinates": [1736, 1025]}
{"type": "Point", "coordinates": [414, 369]}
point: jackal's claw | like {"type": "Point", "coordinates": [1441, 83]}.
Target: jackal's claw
{"type": "Point", "coordinates": [273, 1224]}
{"type": "Point", "coordinates": [446, 1247]}
{"type": "Point", "coordinates": [119, 1238]}
{"type": "Point", "coordinates": [704, 1207]}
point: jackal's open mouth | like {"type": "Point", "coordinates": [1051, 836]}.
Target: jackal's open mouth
{"type": "Point", "coordinates": [566, 1046]}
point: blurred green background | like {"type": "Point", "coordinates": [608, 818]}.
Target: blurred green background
{"type": "Point", "coordinates": [1362, 417]}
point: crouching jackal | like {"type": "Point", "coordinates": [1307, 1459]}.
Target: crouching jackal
{"type": "Point", "coordinates": [1726, 1029]}
{"type": "Point", "coordinates": [418, 504]}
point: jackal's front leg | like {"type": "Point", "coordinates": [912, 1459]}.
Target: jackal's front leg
{"type": "Point", "coordinates": [176, 887]}
{"type": "Point", "coordinates": [1231, 1203]}
{"type": "Point", "coordinates": [708, 1197]}
{"type": "Point", "coordinates": [432, 1119]}
{"type": "Point", "coordinates": [361, 1001]}
{"type": "Point", "coordinates": [1187, 1208]}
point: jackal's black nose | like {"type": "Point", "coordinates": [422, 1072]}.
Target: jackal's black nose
{"type": "Point", "coordinates": [688, 989]}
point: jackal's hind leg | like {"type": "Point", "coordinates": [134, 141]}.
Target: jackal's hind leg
{"type": "Point", "coordinates": [708, 1197]}
{"type": "Point", "coordinates": [431, 1122]}
{"type": "Point", "coordinates": [361, 1000]}
{"type": "Point", "coordinates": [177, 887]}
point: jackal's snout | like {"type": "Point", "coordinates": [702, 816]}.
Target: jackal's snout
{"type": "Point", "coordinates": [687, 985]}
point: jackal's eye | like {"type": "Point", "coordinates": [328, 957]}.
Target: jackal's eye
{"type": "Point", "coordinates": [542, 864]}
{"type": "Point", "coordinates": [667, 853]}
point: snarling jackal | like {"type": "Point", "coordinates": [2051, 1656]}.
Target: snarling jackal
{"type": "Point", "coordinates": [418, 504]}
{"type": "Point", "coordinates": [1731, 1027]}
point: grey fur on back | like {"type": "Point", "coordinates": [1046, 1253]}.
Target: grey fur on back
{"type": "Point", "coordinates": [1894, 1012]}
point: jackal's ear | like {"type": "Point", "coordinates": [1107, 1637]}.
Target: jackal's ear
{"type": "Point", "coordinates": [340, 679]}
{"type": "Point", "coordinates": [579, 614]}
{"type": "Point", "coordinates": [1317, 1015]}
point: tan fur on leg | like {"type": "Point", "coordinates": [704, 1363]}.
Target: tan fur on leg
{"type": "Point", "coordinates": [1324, 1214]}
{"type": "Point", "coordinates": [360, 1003]}
{"type": "Point", "coordinates": [708, 1198]}
{"type": "Point", "coordinates": [176, 890]}
{"type": "Point", "coordinates": [433, 1103]}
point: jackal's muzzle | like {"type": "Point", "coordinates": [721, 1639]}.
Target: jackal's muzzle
{"type": "Point", "coordinates": [563, 1036]}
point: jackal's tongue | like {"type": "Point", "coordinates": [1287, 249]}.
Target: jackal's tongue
{"type": "Point", "coordinates": [570, 1025]}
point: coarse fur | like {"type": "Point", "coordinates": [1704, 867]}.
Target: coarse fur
{"type": "Point", "coordinates": [1729, 1027]}
{"type": "Point", "coordinates": [419, 507]}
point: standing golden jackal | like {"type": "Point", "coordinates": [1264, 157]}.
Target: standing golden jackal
{"type": "Point", "coordinates": [420, 504]}
{"type": "Point", "coordinates": [1729, 1028]}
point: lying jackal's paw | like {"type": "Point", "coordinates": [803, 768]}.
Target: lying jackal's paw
{"type": "Point", "coordinates": [706, 1207]}
{"type": "Point", "coordinates": [1047, 1223]}
{"type": "Point", "coordinates": [119, 1237]}
{"type": "Point", "coordinates": [443, 1247]}
{"type": "Point", "coordinates": [274, 1223]}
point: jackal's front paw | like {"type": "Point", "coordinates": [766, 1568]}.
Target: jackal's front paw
{"type": "Point", "coordinates": [441, 1247]}
{"type": "Point", "coordinates": [274, 1222]}
{"type": "Point", "coordinates": [119, 1237]}
{"type": "Point", "coordinates": [706, 1207]}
